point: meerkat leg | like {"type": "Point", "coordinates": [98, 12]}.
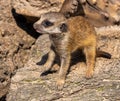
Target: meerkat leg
{"type": "Point", "coordinates": [90, 53]}
{"type": "Point", "coordinates": [65, 62]}
{"type": "Point", "coordinates": [49, 62]}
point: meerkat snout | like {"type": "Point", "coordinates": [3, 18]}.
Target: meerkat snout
{"type": "Point", "coordinates": [35, 26]}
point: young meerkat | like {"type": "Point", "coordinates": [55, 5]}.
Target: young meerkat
{"type": "Point", "coordinates": [68, 35]}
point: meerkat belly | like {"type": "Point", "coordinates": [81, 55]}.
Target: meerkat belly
{"type": "Point", "coordinates": [60, 46]}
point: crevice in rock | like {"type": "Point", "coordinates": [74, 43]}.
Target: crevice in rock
{"type": "Point", "coordinates": [27, 26]}
{"type": "Point", "coordinates": [3, 98]}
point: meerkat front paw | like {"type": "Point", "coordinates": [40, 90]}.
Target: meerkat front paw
{"type": "Point", "coordinates": [60, 84]}
{"type": "Point", "coordinates": [45, 68]}
{"type": "Point", "coordinates": [89, 74]}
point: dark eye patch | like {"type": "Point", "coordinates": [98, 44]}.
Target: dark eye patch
{"type": "Point", "coordinates": [47, 23]}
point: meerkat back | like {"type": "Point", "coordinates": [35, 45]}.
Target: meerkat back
{"type": "Point", "coordinates": [82, 33]}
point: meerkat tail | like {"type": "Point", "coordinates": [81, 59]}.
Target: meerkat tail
{"type": "Point", "coordinates": [103, 54]}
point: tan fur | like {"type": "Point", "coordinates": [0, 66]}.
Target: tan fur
{"type": "Point", "coordinates": [83, 36]}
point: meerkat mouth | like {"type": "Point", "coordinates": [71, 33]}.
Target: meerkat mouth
{"type": "Point", "coordinates": [40, 31]}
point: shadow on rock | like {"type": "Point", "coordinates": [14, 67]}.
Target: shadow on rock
{"type": "Point", "coordinates": [27, 26]}
{"type": "Point", "coordinates": [77, 57]}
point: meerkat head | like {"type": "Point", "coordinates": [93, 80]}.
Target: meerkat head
{"type": "Point", "coordinates": [51, 23]}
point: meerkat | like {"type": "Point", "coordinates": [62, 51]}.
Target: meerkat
{"type": "Point", "coordinates": [72, 8]}
{"type": "Point", "coordinates": [68, 35]}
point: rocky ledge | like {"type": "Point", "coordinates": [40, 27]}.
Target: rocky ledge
{"type": "Point", "coordinates": [28, 85]}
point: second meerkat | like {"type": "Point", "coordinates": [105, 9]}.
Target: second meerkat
{"type": "Point", "coordinates": [68, 35]}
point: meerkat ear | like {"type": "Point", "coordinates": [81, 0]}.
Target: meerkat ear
{"type": "Point", "coordinates": [63, 27]}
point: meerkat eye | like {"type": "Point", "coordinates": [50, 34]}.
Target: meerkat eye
{"type": "Point", "coordinates": [63, 27]}
{"type": "Point", "coordinates": [47, 23]}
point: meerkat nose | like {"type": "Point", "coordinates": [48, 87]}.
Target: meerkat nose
{"type": "Point", "coordinates": [35, 26]}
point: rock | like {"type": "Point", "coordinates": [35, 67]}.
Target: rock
{"type": "Point", "coordinates": [104, 10]}
{"type": "Point", "coordinates": [15, 45]}
{"type": "Point", "coordinates": [28, 85]}
{"type": "Point", "coordinates": [31, 8]}
{"type": "Point", "coordinates": [17, 39]}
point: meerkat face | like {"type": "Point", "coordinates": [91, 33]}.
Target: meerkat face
{"type": "Point", "coordinates": [51, 23]}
